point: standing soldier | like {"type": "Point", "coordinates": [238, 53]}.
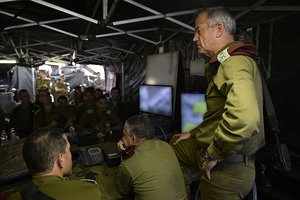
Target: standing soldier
{"type": "Point", "coordinates": [43, 81]}
{"type": "Point", "coordinates": [61, 87]}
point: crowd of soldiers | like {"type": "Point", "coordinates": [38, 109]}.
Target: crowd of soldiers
{"type": "Point", "coordinates": [87, 109]}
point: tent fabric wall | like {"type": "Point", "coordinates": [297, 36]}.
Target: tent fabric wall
{"type": "Point", "coordinates": [23, 79]}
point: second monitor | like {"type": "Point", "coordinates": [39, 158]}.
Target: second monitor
{"type": "Point", "coordinates": [193, 107]}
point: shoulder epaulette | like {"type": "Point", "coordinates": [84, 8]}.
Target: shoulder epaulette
{"type": "Point", "coordinates": [241, 49]}
{"type": "Point", "coordinates": [88, 180]}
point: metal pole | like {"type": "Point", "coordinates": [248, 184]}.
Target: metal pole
{"type": "Point", "coordinates": [123, 80]}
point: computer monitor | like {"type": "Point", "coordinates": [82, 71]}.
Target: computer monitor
{"type": "Point", "coordinates": [156, 99]}
{"type": "Point", "coordinates": [193, 107]}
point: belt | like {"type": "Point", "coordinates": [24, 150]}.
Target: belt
{"type": "Point", "coordinates": [235, 158]}
{"type": "Point", "coordinates": [238, 158]}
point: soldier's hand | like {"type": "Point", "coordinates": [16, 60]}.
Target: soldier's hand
{"type": "Point", "coordinates": [121, 146]}
{"type": "Point", "coordinates": [207, 166]}
{"type": "Point", "coordinates": [182, 136]}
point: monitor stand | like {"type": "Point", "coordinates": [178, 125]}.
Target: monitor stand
{"type": "Point", "coordinates": [164, 127]}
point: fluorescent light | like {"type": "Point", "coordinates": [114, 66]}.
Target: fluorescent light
{"type": "Point", "coordinates": [8, 61]}
{"type": "Point", "coordinates": [55, 63]}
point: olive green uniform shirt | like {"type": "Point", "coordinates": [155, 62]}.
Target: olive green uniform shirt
{"type": "Point", "coordinates": [66, 115]}
{"type": "Point", "coordinates": [119, 109]}
{"type": "Point", "coordinates": [82, 108]}
{"type": "Point", "coordinates": [151, 173]}
{"type": "Point", "coordinates": [234, 119]}
{"type": "Point", "coordinates": [43, 118]}
{"type": "Point", "coordinates": [60, 189]}
{"type": "Point", "coordinates": [43, 83]}
{"type": "Point", "coordinates": [61, 85]}
{"type": "Point", "coordinates": [96, 120]}
{"type": "Point", "coordinates": [21, 119]}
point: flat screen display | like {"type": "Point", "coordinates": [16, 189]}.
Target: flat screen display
{"type": "Point", "coordinates": [156, 99]}
{"type": "Point", "coordinates": [193, 107]}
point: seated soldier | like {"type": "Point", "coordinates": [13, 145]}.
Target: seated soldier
{"type": "Point", "coordinates": [77, 95]}
{"type": "Point", "coordinates": [67, 113]}
{"type": "Point", "coordinates": [116, 105]}
{"type": "Point", "coordinates": [21, 118]}
{"type": "Point", "coordinates": [48, 158]}
{"type": "Point", "coordinates": [149, 169]}
{"type": "Point", "coordinates": [98, 92]}
{"type": "Point", "coordinates": [98, 120]}
{"type": "Point", "coordinates": [88, 105]}
{"type": "Point", "coordinates": [47, 116]}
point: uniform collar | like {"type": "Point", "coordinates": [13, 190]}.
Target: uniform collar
{"type": "Point", "coordinates": [48, 178]}
{"type": "Point", "coordinates": [223, 54]}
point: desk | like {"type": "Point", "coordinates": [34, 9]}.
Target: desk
{"type": "Point", "coordinates": [104, 175]}
{"type": "Point", "coordinates": [12, 165]}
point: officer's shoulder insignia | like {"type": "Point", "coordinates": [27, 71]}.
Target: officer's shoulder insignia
{"type": "Point", "coordinates": [223, 55]}
{"type": "Point", "coordinates": [88, 180]}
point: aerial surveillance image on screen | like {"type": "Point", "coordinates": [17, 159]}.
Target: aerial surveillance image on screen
{"type": "Point", "coordinates": [193, 107]}
{"type": "Point", "coordinates": [156, 99]}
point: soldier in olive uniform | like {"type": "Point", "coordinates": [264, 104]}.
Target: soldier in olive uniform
{"type": "Point", "coordinates": [67, 113]}
{"type": "Point", "coordinates": [88, 104]}
{"type": "Point", "coordinates": [149, 169]}
{"type": "Point", "coordinates": [116, 105]}
{"type": "Point", "coordinates": [222, 147]}
{"type": "Point", "coordinates": [48, 158]}
{"type": "Point", "coordinates": [61, 87]}
{"type": "Point", "coordinates": [43, 82]}
{"type": "Point", "coordinates": [21, 118]}
{"type": "Point", "coordinates": [97, 120]}
{"type": "Point", "coordinates": [48, 115]}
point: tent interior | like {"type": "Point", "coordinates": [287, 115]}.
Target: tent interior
{"type": "Point", "coordinates": [124, 36]}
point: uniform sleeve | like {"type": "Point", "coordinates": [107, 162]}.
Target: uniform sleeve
{"type": "Point", "coordinates": [124, 182]}
{"type": "Point", "coordinates": [241, 117]}
{"type": "Point", "coordinates": [15, 196]}
{"type": "Point", "coordinates": [37, 120]}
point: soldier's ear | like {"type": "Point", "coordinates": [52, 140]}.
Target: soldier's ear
{"type": "Point", "coordinates": [60, 160]}
{"type": "Point", "coordinates": [220, 30]}
{"type": "Point", "coordinates": [135, 139]}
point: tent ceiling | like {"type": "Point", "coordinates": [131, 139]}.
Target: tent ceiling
{"type": "Point", "coordinates": [106, 31]}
